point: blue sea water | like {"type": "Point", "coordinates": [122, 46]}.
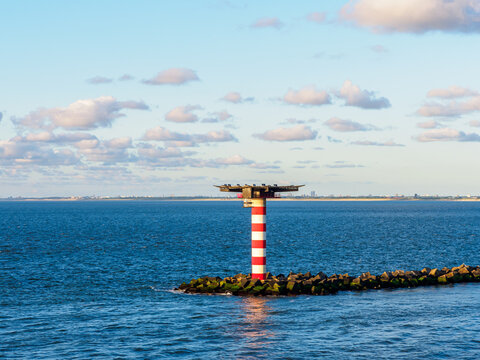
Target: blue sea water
{"type": "Point", "coordinates": [94, 279]}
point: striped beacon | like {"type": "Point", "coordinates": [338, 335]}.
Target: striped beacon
{"type": "Point", "coordinates": [259, 239]}
{"type": "Point", "coordinates": [255, 196]}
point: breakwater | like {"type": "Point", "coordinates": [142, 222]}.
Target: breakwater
{"type": "Point", "coordinates": [321, 284]}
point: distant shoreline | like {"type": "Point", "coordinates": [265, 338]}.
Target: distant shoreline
{"type": "Point", "coordinates": [464, 199]}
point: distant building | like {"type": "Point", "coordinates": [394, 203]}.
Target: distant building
{"type": "Point", "coordinates": [313, 194]}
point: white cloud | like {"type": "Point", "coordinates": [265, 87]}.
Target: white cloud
{"type": "Point", "coordinates": [1, 116]}
{"type": "Point", "coordinates": [119, 143]}
{"type": "Point", "coordinates": [155, 154]}
{"type": "Point", "coordinates": [87, 144]}
{"type": "Point", "coordinates": [474, 123]}
{"type": "Point", "coordinates": [447, 134]}
{"type": "Point", "coordinates": [354, 96]}
{"type": "Point", "coordinates": [233, 160]}
{"type": "Point", "coordinates": [307, 96]}
{"type": "Point", "coordinates": [235, 98]}
{"type": "Point", "coordinates": [341, 125]}
{"type": "Point", "coordinates": [106, 155]}
{"type": "Point", "coordinates": [63, 138]}
{"type": "Point", "coordinates": [183, 114]}
{"type": "Point", "coordinates": [272, 22]}
{"type": "Point", "coordinates": [317, 17]}
{"type": "Point", "coordinates": [341, 165]}
{"type": "Point", "coordinates": [125, 77]}
{"type": "Point", "coordinates": [333, 140]}
{"type": "Point", "coordinates": [80, 115]}
{"type": "Point", "coordinates": [218, 116]}
{"type": "Point", "coordinates": [450, 109]}
{"type": "Point", "coordinates": [452, 92]}
{"type": "Point", "coordinates": [17, 152]}
{"type": "Point", "coordinates": [173, 76]}
{"type": "Point", "coordinates": [429, 124]}
{"type": "Point", "coordinates": [296, 133]}
{"type": "Point", "coordinates": [263, 166]}
{"type": "Point", "coordinates": [375, 143]}
{"type": "Point", "coordinates": [214, 136]}
{"type": "Point", "coordinates": [414, 16]}
{"type": "Point", "coordinates": [99, 80]}
{"type": "Point", "coordinates": [162, 134]}
{"type": "Point", "coordinates": [297, 121]}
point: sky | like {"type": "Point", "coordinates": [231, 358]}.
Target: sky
{"type": "Point", "coordinates": [159, 98]}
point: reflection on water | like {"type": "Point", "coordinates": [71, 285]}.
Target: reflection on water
{"type": "Point", "coordinates": [255, 325]}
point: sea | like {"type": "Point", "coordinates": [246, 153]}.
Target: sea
{"type": "Point", "coordinates": [96, 279]}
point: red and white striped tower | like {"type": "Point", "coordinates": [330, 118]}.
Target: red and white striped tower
{"type": "Point", "coordinates": [256, 197]}
{"type": "Point", "coordinates": [259, 238]}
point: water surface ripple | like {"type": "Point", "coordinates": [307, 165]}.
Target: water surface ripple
{"type": "Point", "coordinates": [94, 279]}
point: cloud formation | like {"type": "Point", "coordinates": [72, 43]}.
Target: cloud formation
{"type": "Point", "coordinates": [447, 134]}
{"type": "Point", "coordinates": [235, 98]}
{"type": "Point", "coordinates": [341, 125]}
{"type": "Point", "coordinates": [296, 133]}
{"type": "Point", "coordinates": [413, 16]}
{"type": "Point", "coordinates": [474, 123]}
{"type": "Point", "coordinates": [375, 143]}
{"type": "Point", "coordinates": [451, 108]}
{"type": "Point", "coordinates": [173, 76]}
{"type": "Point", "coordinates": [307, 96]}
{"type": "Point", "coordinates": [14, 152]}
{"type": "Point", "coordinates": [80, 115]}
{"type": "Point", "coordinates": [452, 92]}
{"type": "Point", "coordinates": [162, 134]}
{"type": "Point", "coordinates": [125, 77]}
{"type": "Point", "coordinates": [218, 116]}
{"type": "Point", "coordinates": [354, 96]}
{"type": "Point", "coordinates": [183, 114]}
{"type": "Point", "coordinates": [233, 160]}
{"type": "Point", "coordinates": [99, 80]}
{"type": "Point", "coordinates": [341, 165]}
{"type": "Point", "coordinates": [267, 22]}
{"type": "Point", "coordinates": [429, 124]}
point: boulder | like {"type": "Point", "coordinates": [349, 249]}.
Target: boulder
{"type": "Point", "coordinates": [386, 276]}
{"type": "Point", "coordinates": [435, 272]}
{"type": "Point", "coordinates": [426, 270]}
{"type": "Point", "coordinates": [399, 273]}
{"type": "Point", "coordinates": [292, 286]}
{"type": "Point", "coordinates": [442, 280]}
{"type": "Point", "coordinates": [320, 276]}
{"type": "Point", "coordinates": [255, 282]}
{"type": "Point", "coordinates": [356, 281]}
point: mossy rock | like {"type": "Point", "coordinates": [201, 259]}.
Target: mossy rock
{"type": "Point", "coordinates": [234, 289]}
{"type": "Point", "coordinates": [292, 286]}
{"type": "Point", "coordinates": [413, 282]}
{"type": "Point", "coordinates": [396, 282]}
{"type": "Point", "coordinates": [257, 289]}
{"type": "Point", "coordinates": [442, 280]}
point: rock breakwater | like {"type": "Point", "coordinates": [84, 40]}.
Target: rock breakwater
{"type": "Point", "coordinates": [321, 284]}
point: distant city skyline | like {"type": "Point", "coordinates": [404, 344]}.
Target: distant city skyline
{"type": "Point", "coordinates": [156, 98]}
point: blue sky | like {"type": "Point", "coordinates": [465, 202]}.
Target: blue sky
{"type": "Point", "coordinates": [159, 98]}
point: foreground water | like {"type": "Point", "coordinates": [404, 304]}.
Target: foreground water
{"type": "Point", "coordinates": [94, 279]}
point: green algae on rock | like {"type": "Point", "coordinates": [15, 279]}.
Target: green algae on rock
{"type": "Point", "coordinates": [321, 284]}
